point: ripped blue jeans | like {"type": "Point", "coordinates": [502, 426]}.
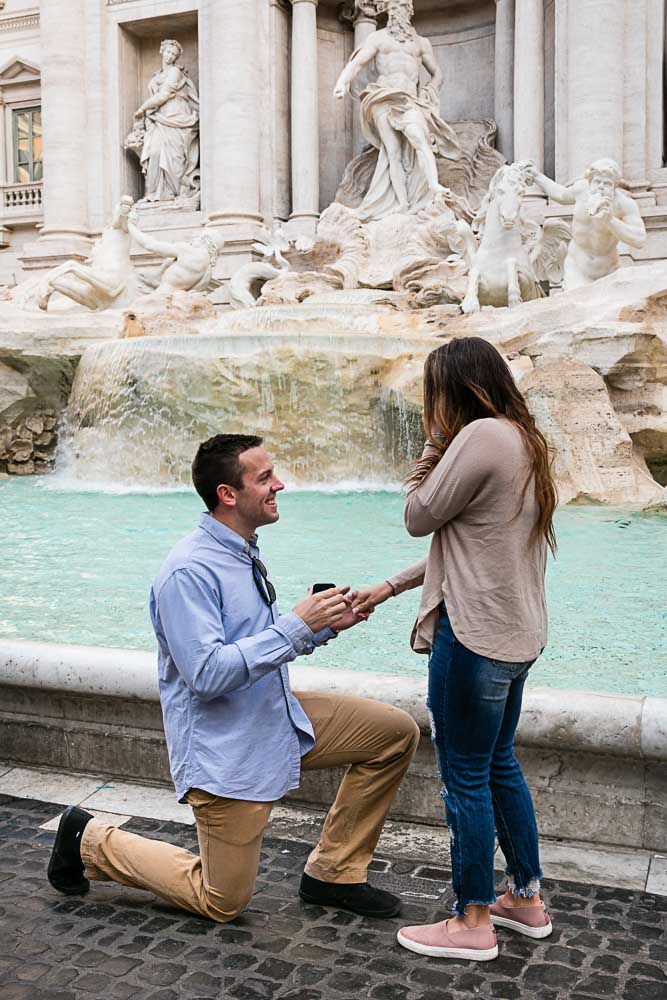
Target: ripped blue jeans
{"type": "Point", "coordinates": [475, 704]}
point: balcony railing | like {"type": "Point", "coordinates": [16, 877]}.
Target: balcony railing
{"type": "Point", "coordinates": [21, 203]}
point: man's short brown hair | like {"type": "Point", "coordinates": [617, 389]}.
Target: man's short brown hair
{"type": "Point", "coordinates": [217, 462]}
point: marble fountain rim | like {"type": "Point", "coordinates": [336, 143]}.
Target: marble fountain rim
{"type": "Point", "coordinates": [379, 344]}
{"type": "Point", "coordinates": [624, 725]}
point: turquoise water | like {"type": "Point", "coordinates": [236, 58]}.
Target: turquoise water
{"type": "Point", "coordinates": [77, 568]}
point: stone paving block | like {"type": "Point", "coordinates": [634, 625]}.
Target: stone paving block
{"type": "Point", "coordinates": [639, 989]}
{"type": "Point", "coordinates": [138, 800]}
{"type": "Point", "coordinates": [48, 786]}
{"type": "Point", "coordinates": [255, 989]}
{"type": "Point", "coordinates": [123, 944]}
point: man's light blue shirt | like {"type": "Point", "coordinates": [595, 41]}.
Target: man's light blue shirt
{"type": "Point", "coordinates": [232, 724]}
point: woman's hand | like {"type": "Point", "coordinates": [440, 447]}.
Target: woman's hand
{"type": "Point", "coordinates": [326, 609]}
{"type": "Point", "coordinates": [351, 618]}
{"type": "Point", "coordinates": [367, 600]}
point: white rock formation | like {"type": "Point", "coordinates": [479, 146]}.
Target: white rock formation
{"type": "Point", "coordinates": [618, 328]}
{"type": "Point", "coordinates": [595, 460]}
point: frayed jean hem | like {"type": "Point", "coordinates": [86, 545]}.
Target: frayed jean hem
{"type": "Point", "coordinates": [527, 891]}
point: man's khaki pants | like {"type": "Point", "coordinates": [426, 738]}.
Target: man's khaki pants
{"type": "Point", "coordinates": [376, 740]}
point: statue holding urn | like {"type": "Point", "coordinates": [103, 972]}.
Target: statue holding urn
{"type": "Point", "coordinates": [165, 135]}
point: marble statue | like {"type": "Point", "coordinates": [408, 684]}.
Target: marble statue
{"type": "Point", "coordinates": [432, 270]}
{"type": "Point", "coordinates": [506, 270]}
{"type": "Point", "coordinates": [334, 260]}
{"type": "Point", "coordinates": [247, 281]}
{"type": "Point", "coordinates": [400, 115]}
{"type": "Point", "coordinates": [106, 279]}
{"type": "Point", "coordinates": [165, 135]}
{"type": "Point", "coordinates": [188, 266]}
{"type": "Point", "coordinates": [604, 216]}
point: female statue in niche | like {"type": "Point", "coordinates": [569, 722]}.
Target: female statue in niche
{"type": "Point", "coordinates": [165, 135]}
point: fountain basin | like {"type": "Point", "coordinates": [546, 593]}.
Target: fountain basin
{"type": "Point", "coordinates": [84, 562]}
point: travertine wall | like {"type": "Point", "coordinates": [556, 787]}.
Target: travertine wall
{"type": "Point", "coordinates": [334, 48]}
{"type": "Point", "coordinates": [463, 40]}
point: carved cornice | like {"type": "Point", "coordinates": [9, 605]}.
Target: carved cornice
{"type": "Point", "coordinates": [22, 22]}
{"type": "Point", "coordinates": [351, 10]}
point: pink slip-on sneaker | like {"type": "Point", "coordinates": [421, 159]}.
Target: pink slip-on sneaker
{"type": "Point", "coordinates": [533, 921]}
{"type": "Point", "coordinates": [478, 944]}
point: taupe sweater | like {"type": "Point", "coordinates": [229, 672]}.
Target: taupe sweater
{"type": "Point", "coordinates": [482, 561]}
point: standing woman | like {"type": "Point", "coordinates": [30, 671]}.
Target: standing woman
{"type": "Point", "coordinates": [483, 489]}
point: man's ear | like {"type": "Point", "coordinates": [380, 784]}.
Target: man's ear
{"type": "Point", "coordinates": [226, 496]}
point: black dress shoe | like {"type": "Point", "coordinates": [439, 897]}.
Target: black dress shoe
{"type": "Point", "coordinates": [358, 897]}
{"type": "Point", "coordinates": [65, 871]}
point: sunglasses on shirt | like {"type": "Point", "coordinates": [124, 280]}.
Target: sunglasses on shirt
{"type": "Point", "coordinates": [261, 577]}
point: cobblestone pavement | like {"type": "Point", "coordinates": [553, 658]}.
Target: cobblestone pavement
{"type": "Point", "coordinates": [120, 944]}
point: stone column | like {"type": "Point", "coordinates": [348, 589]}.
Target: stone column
{"type": "Point", "coordinates": [365, 23]}
{"type": "Point", "coordinates": [529, 81]}
{"type": "Point", "coordinates": [504, 78]}
{"type": "Point", "coordinates": [596, 31]}
{"type": "Point", "coordinates": [656, 57]}
{"type": "Point", "coordinates": [64, 114]}
{"type": "Point", "coordinates": [230, 114]}
{"type": "Point", "coordinates": [305, 118]}
{"type": "Point", "coordinates": [635, 104]}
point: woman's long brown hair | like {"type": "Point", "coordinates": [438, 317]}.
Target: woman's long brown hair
{"type": "Point", "coordinates": [465, 380]}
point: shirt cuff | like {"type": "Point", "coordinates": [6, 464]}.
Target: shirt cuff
{"type": "Point", "coordinates": [399, 584]}
{"type": "Point", "coordinates": [322, 638]}
{"type": "Point", "coordinates": [296, 631]}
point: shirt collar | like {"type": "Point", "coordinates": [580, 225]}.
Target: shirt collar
{"type": "Point", "coordinates": [230, 539]}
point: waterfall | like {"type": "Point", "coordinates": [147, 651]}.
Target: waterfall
{"type": "Point", "coordinates": [328, 407]}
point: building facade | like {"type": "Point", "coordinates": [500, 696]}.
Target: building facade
{"type": "Point", "coordinates": [566, 81]}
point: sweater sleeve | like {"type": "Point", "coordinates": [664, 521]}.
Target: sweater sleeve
{"type": "Point", "coordinates": [454, 482]}
{"type": "Point", "coordinates": [408, 578]}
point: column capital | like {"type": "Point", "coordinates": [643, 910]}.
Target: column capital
{"type": "Point", "coordinates": [351, 11]}
{"type": "Point", "coordinates": [296, 2]}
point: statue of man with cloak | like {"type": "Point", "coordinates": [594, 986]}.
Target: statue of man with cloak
{"type": "Point", "coordinates": [399, 117]}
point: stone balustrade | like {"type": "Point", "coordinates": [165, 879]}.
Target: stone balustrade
{"type": "Point", "coordinates": [21, 203]}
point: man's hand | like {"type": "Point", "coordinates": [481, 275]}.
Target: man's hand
{"type": "Point", "coordinates": [604, 210]}
{"type": "Point", "coordinates": [367, 600]}
{"type": "Point", "coordinates": [530, 172]}
{"type": "Point", "coordinates": [340, 90]}
{"type": "Point", "coordinates": [324, 610]}
{"type": "Point", "coordinates": [352, 617]}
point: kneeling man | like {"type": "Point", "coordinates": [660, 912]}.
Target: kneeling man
{"type": "Point", "coordinates": [237, 735]}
